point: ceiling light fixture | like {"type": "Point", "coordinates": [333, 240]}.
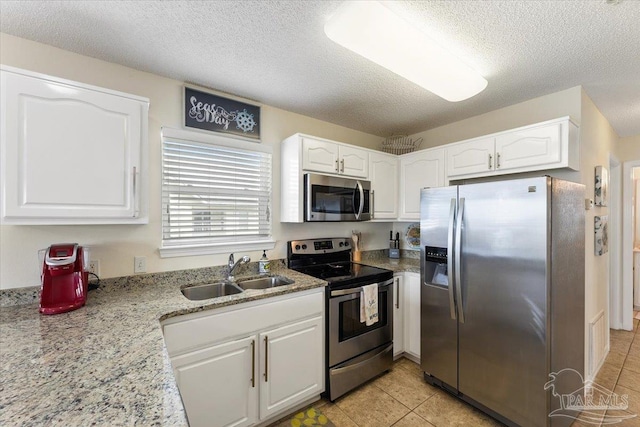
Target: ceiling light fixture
{"type": "Point", "coordinates": [370, 29]}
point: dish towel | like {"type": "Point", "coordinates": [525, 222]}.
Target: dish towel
{"type": "Point", "coordinates": [369, 304]}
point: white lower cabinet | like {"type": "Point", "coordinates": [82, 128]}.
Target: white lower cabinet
{"type": "Point", "coordinates": [216, 384]}
{"type": "Point", "coordinates": [251, 362]}
{"type": "Point", "coordinates": [412, 314]}
{"type": "Point", "coordinates": [291, 366]}
{"type": "Point", "coordinates": [398, 315]}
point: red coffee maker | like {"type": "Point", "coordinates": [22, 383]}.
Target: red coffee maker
{"type": "Point", "coordinates": [64, 279]}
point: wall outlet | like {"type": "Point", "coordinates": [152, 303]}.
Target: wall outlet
{"type": "Point", "coordinates": [94, 267]}
{"type": "Point", "coordinates": [139, 264]}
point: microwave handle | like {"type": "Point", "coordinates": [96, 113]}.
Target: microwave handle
{"type": "Point", "coordinates": [361, 207]}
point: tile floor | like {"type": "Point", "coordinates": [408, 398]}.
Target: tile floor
{"type": "Point", "coordinates": [401, 398]}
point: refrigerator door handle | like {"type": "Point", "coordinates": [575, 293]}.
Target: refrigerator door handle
{"type": "Point", "coordinates": [450, 252]}
{"type": "Point", "coordinates": [457, 251]}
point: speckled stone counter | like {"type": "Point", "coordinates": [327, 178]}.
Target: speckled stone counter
{"type": "Point", "coordinates": [410, 261]}
{"type": "Point", "coordinates": [106, 364]}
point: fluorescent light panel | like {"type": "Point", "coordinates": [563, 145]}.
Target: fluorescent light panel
{"type": "Point", "coordinates": [370, 29]}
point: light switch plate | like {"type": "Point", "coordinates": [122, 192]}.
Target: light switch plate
{"type": "Point", "coordinates": [139, 264]}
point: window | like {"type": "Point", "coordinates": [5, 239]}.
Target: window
{"type": "Point", "coordinates": [216, 194]}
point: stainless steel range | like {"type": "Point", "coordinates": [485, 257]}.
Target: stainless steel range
{"type": "Point", "coordinates": [355, 352]}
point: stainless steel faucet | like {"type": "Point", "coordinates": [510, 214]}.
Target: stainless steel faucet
{"type": "Point", "coordinates": [232, 264]}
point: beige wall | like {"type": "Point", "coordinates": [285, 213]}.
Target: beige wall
{"type": "Point", "coordinates": [559, 104]}
{"type": "Point", "coordinates": [115, 246]}
{"type": "Point", "coordinates": [628, 148]}
{"type": "Point", "coordinates": [597, 141]}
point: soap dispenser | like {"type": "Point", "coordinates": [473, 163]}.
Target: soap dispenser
{"type": "Point", "coordinates": [264, 266]}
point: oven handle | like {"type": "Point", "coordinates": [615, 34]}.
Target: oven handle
{"type": "Point", "coordinates": [350, 291]}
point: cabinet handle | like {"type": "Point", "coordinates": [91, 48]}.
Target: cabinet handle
{"type": "Point", "coordinates": [253, 363]}
{"type": "Point", "coordinates": [490, 158]}
{"type": "Point", "coordinates": [266, 359]}
{"type": "Point", "coordinates": [497, 160]}
{"type": "Point", "coordinates": [397, 293]}
{"type": "Point", "coordinates": [337, 165]}
{"type": "Point", "coordinates": [136, 210]}
{"type": "Point", "coordinates": [342, 165]}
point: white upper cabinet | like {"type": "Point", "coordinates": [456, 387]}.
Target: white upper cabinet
{"type": "Point", "coordinates": [424, 168]}
{"type": "Point", "coordinates": [475, 156]}
{"type": "Point", "coordinates": [548, 145]}
{"type": "Point", "coordinates": [334, 158]}
{"type": "Point", "coordinates": [383, 174]}
{"type": "Point", "coordinates": [71, 153]}
{"type": "Point", "coordinates": [303, 153]}
{"type": "Point", "coordinates": [537, 146]}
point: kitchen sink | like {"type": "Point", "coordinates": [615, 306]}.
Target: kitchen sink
{"type": "Point", "coordinates": [264, 282]}
{"type": "Point", "coordinates": [210, 290]}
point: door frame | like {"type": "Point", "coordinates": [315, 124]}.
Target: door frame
{"type": "Point", "coordinates": [623, 304]}
{"type": "Point", "coordinates": [615, 243]}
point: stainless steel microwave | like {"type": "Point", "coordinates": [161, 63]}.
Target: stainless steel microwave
{"type": "Point", "coordinates": [330, 198]}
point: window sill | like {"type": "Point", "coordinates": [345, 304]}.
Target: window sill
{"type": "Point", "coordinates": [218, 248]}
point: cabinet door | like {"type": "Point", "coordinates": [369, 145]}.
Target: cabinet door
{"type": "Point", "coordinates": [398, 315]}
{"type": "Point", "coordinates": [218, 385]}
{"type": "Point", "coordinates": [422, 169]}
{"type": "Point", "coordinates": [529, 147]}
{"type": "Point", "coordinates": [319, 156]}
{"type": "Point", "coordinates": [291, 365]}
{"type": "Point", "coordinates": [412, 314]}
{"type": "Point", "coordinates": [354, 161]}
{"type": "Point", "coordinates": [383, 174]}
{"type": "Point", "coordinates": [475, 156]}
{"type": "Point", "coordinates": [71, 153]}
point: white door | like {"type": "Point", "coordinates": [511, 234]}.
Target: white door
{"type": "Point", "coordinates": [471, 157]}
{"type": "Point", "coordinates": [383, 174]}
{"type": "Point", "coordinates": [412, 314]}
{"type": "Point", "coordinates": [354, 161]}
{"type": "Point", "coordinates": [398, 315]}
{"type": "Point", "coordinates": [319, 156]}
{"type": "Point", "coordinates": [424, 168]}
{"type": "Point", "coordinates": [291, 365]}
{"type": "Point", "coordinates": [218, 384]}
{"type": "Point", "coordinates": [529, 147]}
{"type": "Point", "coordinates": [71, 152]}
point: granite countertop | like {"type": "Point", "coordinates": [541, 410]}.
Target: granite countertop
{"type": "Point", "coordinates": [106, 363]}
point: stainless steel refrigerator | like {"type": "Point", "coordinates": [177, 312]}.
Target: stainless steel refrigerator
{"type": "Point", "coordinates": [502, 294]}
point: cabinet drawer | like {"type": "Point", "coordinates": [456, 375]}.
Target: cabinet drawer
{"type": "Point", "coordinates": [198, 330]}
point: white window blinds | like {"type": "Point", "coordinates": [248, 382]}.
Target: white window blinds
{"type": "Point", "coordinates": [213, 193]}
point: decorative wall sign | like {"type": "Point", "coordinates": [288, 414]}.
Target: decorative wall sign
{"type": "Point", "coordinates": [602, 235]}
{"type": "Point", "coordinates": [601, 195]}
{"type": "Point", "coordinates": [206, 111]}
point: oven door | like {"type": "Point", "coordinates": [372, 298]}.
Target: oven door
{"type": "Point", "coordinates": [328, 198]}
{"type": "Point", "coordinates": [348, 337]}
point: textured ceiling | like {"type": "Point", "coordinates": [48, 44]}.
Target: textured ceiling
{"type": "Point", "coordinates": [275, 52]}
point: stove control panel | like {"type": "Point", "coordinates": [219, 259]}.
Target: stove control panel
{"type": "Point", "coordinates": [319, 246]}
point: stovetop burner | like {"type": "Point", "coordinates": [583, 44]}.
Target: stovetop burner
{"type": "Point", "coordinates": [329, 259]}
